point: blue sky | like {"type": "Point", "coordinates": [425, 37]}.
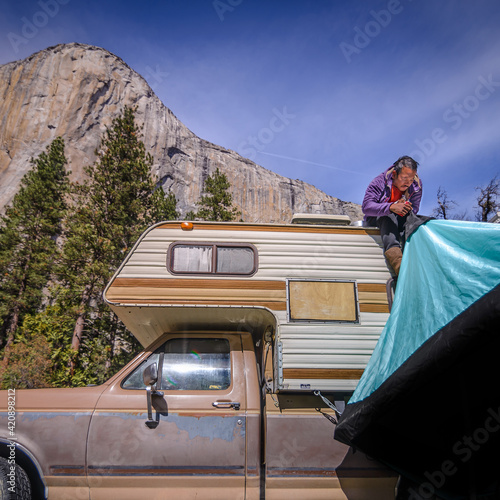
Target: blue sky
{"type": "Point", "coordinates": [329, 92]}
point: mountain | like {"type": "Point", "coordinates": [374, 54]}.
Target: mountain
{"type": "Point", "coordinates": [75, 91]}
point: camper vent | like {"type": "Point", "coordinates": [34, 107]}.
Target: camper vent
{"type": "Point", "coordinates": [332, 219]}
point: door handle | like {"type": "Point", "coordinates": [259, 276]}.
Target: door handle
{"type": "Point", "coordinates": [226, 404]}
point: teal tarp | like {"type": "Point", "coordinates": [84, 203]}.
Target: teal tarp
{"type": "Point", "coordinates": [428, 403]}
{"type": "Point", "coordinates": [453, 264]}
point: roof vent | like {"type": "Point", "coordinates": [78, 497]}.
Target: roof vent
{"type": "Point", "coordinates": [330, 219]}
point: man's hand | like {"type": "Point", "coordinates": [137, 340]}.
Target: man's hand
{"type": "Point", "coordinates": [401, 207]}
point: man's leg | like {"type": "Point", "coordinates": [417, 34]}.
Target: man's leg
{"type": "Point", "coordinates": [391, 232]}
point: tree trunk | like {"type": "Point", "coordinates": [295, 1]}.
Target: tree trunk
{"type": "Point", "coordinates": [77, 332]}
{"type": "Point", "coordinates": [11, 330]}
{"type": "Point", "coordinates": [80, 322]}
{"type": "Point", "coordinates": [16, 313]}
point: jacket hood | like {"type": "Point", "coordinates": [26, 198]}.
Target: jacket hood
{"type": "Point", "coordinates": [415, 186]}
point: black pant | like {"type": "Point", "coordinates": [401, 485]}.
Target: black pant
{"type": "Point", "coordinates": [392, 229]}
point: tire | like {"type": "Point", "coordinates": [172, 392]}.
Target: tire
{"type": "Point", "coordinates": [14, 483]}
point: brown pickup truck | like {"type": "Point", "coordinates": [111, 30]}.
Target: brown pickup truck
{"type": "Point", "coordinates": [236, 393]}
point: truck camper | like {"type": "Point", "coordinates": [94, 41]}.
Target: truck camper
{"type": "Point", "coordinates": [319, 291]}
{"type": "Point", "coordinates": [255, 336]}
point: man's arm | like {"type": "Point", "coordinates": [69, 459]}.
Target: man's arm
{"type": "Point", "coordinates": [415, 199]}
{"type": "Point", "coordinates": [372, 205]}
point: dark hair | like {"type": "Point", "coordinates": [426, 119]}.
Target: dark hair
{"type": "Point", "coordinates": [405, 161]}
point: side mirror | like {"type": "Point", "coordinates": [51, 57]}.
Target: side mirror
{"type": "Point", "coordinates": [150, 377]}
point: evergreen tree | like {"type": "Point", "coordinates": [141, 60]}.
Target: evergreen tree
{"type": "Point", "coordinates": [28, 234]}
{"type": "Point", "coordinates": [54, 327]}
{"type": "Point", "coordinates": [111, 210]}
{"type": "Point", "coordinates": [40, 353]}
{"type": "Point", "coordinates": [163, 206]}
{"type": "Point", "coordinates": [217, 203]}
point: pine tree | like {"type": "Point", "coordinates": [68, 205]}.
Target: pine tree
{"type": "Point", "coordinates": [111, 210]}
{"type": "Point", "coordinates": [52, 327]}
{"type": "Point", "coordinates": [163, 206]}
{"type": "Point", "coordinates": [28, 234]}
{"type": "Point", "coordinates": [217, 204]}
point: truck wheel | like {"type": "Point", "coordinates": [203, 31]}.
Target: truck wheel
{"type": "Point", "coordinates": [14, 483]}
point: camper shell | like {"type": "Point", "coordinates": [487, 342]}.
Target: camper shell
{"type": "Point", "coordinates": [318, 289]}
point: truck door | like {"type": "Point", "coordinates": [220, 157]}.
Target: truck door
{"type": "Point", "coordinates": [195, 445]}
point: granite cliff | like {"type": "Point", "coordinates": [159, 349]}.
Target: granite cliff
{"type": "Point", "coordinates": [75, 91]}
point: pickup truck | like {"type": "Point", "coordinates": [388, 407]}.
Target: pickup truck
{"type": "Point", "coordinates": [244, 372]}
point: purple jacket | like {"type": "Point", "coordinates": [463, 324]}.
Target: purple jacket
{"type": "Point", "coordinates": [378, 193]}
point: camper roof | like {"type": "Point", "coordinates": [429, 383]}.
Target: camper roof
{"type": "Point", "coordinates": [331, 219]}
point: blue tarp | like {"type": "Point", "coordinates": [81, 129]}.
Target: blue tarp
{"type": "Point", "coordinates": [447, 266]}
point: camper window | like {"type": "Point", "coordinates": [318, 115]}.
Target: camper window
{"type": "Point", "coordinates": [323, 300]}
{"type": "Point", "coordinates": [192, 259]}
{"type": "Point", "coordinates": [212, 258]}
{"type": "Point", "coordinates": [235, 260]}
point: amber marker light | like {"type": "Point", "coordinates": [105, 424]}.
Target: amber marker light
{"type": "Point", "coordinates": [186, 226]}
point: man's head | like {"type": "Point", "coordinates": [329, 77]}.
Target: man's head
{"type": "Point", "coordinates": [403, 175]}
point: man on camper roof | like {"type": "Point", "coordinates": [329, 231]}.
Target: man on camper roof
{"type": "Point", "coordinates": [388, 200]}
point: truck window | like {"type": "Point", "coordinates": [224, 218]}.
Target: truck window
{"type": "Point", "coordinates": [196, 364]}
{"type": "Point", "coordinates": [134, 380]}
{"type": "Point", "coordinates": [188, 364]}
{"type": "Point", "coordinates": [212, 258]}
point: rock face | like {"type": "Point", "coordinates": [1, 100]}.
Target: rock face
{"type": "Point", "coordinates": [75, 91]}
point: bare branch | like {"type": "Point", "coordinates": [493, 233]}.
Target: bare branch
{"type": "Point", "coordinates": [444, 204]}
{"type": "Point", "coordinates": [487, 200]}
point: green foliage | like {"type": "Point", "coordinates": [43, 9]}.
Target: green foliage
{"type": "Point", "coordinates": [42, 355]}
{"type": "Point", "coordinates": [104, 351]}
{"type": "Point", "coordinates": [106, 347]}
{"type": "Point", "coordinates": [217, 203]}
{"type": "Point", "coordinates": [41, 351]}
{"type": "Point", "coordinates": [27, 364]}
{"type": "Point", "coordinates": [55, 327]}
{"type": "Point", "coordinates": [60, 243]}
{"type": "Point", "coordinates": [163, 206]}
{"type": "Point", "coordinates": [112, 208]}
{"type": "Point", "coordinates": [28, 234]}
